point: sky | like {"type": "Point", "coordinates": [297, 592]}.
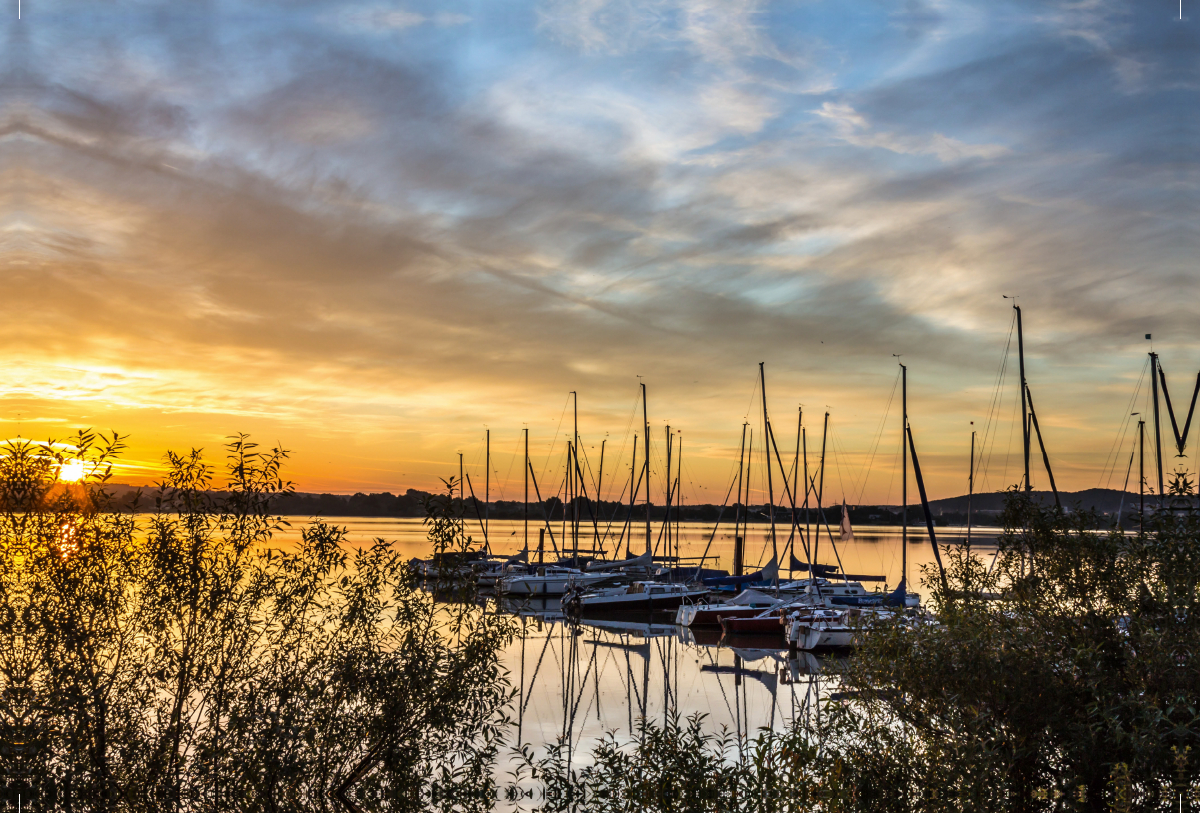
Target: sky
{"type": "Point", "coordinates": [371, 233]}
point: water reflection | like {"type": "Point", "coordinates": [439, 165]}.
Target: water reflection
{"type": "Point", "coordinates": [579, 681]}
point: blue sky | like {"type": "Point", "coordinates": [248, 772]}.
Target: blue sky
{"type": "Point", "coordinates": [371, 230]}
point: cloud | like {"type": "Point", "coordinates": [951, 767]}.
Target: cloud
{"type": "Point", "coordinates": [853, 128]}
{"type": "Point", "coordinates": [384, 241]}
{"type": "Point", "coordinates": [380, 19]}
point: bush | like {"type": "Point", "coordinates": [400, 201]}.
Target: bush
{"type": "Point", "coordinates": [174, 660]}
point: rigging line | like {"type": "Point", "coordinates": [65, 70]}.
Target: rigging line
{"type": "Point", "coordinates": [620, 504]}
{"type": "Point", "coordinates": [878, 438]}
{"type": "Point", "coordinates": [637, 399]}
{"type": "Point", "coordinates": [1012, 426]}
{"type": "Point", "coordinates": [990, 439]}
{"type": "Point", "coordinates": [587, 466]}
{"type": "Point", "coordinates": [1106, 482]}
{"type": "Point", "coordinates": [1125, 488]}
{"type": "Point", "coordinates": [512, 462]}
{"type": "Point", "coordinates": [1126, 421]}
{"type": "Point", "coordinates": [716, 525]}
{"type": "Point", "coordinates": [1146, 412]}
{"type": "Point", "coordinates": [996, 401]}
{"type": "Point", "coordinates": [753, 394]}
{"type": "Point", "coordinates": [582, 683]}
{"type": "Point", "coordinates": [895, 473]}
{"type": "Point", "coordinates": [1106, 473]}
{"type": "Point", "coordinates": [839, 451]}
{"type": "Point", "coordinates": [617, 468]}
{"type": "Point", "coordinates": [995, 406]}
{"type": "Point", "coordinates": [533, 677]}
{"type": "Point", "coordinates": [550, 454]}
{"type": "Point", "coordinates": [640, 471]}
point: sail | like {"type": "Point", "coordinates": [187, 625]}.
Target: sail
{"type": "Point", "coordinates": [847, 534]}
{"type": "Point", "coordinates": [770, 573]}
{"type": "Point", "coordinates": [897, 597]}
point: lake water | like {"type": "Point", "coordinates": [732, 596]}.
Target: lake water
{"type": "Point", "coordinates": [579, 682]}
{"type": "Point", "coordinates": [876, 550]}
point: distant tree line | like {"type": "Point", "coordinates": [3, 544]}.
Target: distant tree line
{"type": "Point", "coordinates": [986, 509]}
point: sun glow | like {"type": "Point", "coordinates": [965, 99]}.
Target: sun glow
{"type": "Point", "coordinates": [72, 471]}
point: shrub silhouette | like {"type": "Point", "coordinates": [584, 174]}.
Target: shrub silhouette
{"type": "Point", "coordinates": [175, 660]}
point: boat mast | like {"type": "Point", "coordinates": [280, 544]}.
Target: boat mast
{"type": "Point", "coordinates": [737, 517]}
{"type": "Point", "coordinates": [820, 489]}
{"type": "Point", "coordinates": [599, 507]}
{"type": "Point", "coordinates": [1141, 476]}
{"type": "Point", "coordinates": [678, 493]}
{"type": "Point", "coordinates": [767, 446]}
{"type": "Point", "coordinates": [632, 497]}
{"type": "Point", "coordinates": [1157, 430]}
{"type": "Point", "coordinates": [575, 478]}
{"type": "Point", "coordinates": [462, 503]}
{"type": "Point", "coordinates": [527, 488]}
{"type": "Point", "coordinates": [970, 487]}
{"type": "Point", "coordinates": [600, 476]}
{"type": "Point", "coordinates": [746, 522]}
{"type": "Point", "coordinates": [646, 429]}
{"type": "Point", "coordinates": [667, 515]}
{"type": "Point", "coordinates": [807, 529]}
{"type": "Point", "coordinates": [487, 482]}
{"type": "Point", "coordinates": [796, 485]}
{"type": "Point", "coordinates": [904, 477]}
{"type": "Point", "coordinates": [1024, 406]}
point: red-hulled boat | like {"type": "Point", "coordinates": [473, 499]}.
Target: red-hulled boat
{"type": "Point", "coordinates": [757, 624]}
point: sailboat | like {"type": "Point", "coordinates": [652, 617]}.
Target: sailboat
{"type": "Point", "coordinates": [639, 596]}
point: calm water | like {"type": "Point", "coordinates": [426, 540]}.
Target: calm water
{"type": "Point", "coordinates": [576, 684]}
{"type": "Point", "coordinates": [875, 551]}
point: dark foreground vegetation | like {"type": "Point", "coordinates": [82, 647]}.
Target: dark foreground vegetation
{"type": "Point", "coordinates": [173, 661]}
{"type": "Point", "coordinates": [1078, 690]}
{"type": "Point", "coordinates": [184, 665]}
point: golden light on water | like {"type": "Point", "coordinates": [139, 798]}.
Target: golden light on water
{"type": "Point", "coordinates": [67, 544]}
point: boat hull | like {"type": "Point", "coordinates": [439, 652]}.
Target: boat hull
{"type": "Point", "coordinates": [625, 604]}
{"type": "Point", "coordinates": [752, 626]}
{"type": "Point", "coordinates": [545, 585]}
{"type": "Point", "coordinates": [700, 615]}
{"type": "Point", "coordinates": [813, 637]}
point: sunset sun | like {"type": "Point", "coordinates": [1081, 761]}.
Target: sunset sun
{"type": "Point", "coordinates": [72, 471]}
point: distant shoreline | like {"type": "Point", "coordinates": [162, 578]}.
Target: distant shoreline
{"type": "Point", "coordinates": [948, 512]}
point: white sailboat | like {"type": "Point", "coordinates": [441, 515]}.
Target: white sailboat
{"type": "Point", "coordinates": [547, 581]}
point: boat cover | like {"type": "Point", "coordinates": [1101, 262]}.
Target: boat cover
{"type": "Point", "coordinates": [820, 570]}
{"type": "Point", "coordinates": [638, 561]}
{"type": "Point", "coordinates": [893, 599]}
{"type": "Point", "coordinates": [751, 597]}
{"type": "Point", "coordinates": [767, 574]}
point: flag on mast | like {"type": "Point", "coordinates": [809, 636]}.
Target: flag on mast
{"type": "Point", "coordinates": [847, 534]}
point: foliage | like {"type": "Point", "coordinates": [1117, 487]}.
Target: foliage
{"type": "Point", "coordinates": [1063, 675]}
{"type": "Point", "coordinates": [175, 660]}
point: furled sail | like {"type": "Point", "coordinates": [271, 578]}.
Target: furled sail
{"type": "Point", "coordinates": [638, 561]}
{"type": "Point", "coordinates": [847, 534]}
